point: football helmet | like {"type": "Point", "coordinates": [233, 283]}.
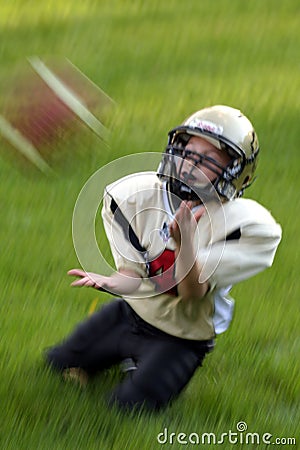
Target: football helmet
{"type": "Point", "coordinates": [229, 131]}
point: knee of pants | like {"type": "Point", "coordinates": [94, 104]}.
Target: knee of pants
{"type": "Point", "coordinates": [153, 386]}
{"type": "Point", "coordinates": [142, 394]}
{"type": "Point", "coordinates": [129, 397]}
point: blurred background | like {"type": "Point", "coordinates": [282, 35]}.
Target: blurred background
{"type": "Point", "coordinates": [158, 62]}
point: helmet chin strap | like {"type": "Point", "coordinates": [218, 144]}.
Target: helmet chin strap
{"type": "Point", "coordinates": [200, 193]}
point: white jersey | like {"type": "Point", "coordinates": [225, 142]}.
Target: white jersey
{"type": "Point", "coordinates": [235, 241]}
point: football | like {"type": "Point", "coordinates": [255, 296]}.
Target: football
{"type": "Point", "coordinates": [48, 102]}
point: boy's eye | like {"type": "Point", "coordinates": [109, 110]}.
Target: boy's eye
{"type": "Point", "coordinates": [189, 154]}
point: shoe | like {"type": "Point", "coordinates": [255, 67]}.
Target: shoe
{"type": "Point", "coordinates": [76, 375]}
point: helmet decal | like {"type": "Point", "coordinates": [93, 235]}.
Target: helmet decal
{"type": "Point", "coordinates": [206, 125]}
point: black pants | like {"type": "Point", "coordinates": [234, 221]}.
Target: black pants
{"type": "Point", "coordinates": [164, 363]}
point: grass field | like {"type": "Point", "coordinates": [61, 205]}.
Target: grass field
{"type": "Point", "coordinates": [159, 61]}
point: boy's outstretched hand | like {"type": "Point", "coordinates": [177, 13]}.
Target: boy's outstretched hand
{"type": "Point", "coordinates": [123, 282]}
{"type": "Point", "coordinates": [89, 279]}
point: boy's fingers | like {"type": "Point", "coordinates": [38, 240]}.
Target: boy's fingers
{"type": "Point", "coordinates": [81, 282]}
{"type": "Point", "coordinates": [89, 282]}
{"type": "Point", "coordinates": [77, 273]}
{"type": "Point", "coordinates": [199, 213]}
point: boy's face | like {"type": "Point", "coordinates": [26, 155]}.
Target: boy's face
{"type": "Point", "coordinates": [200, 146]}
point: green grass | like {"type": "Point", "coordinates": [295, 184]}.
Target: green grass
{"type": "Point", "coordinates": [159, 61]}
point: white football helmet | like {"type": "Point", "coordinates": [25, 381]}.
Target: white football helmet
{"type": "Point", "coordinates": [228, 130]}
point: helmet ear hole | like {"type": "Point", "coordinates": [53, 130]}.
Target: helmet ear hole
{"type": "Point", "coordinates": [246, 180]}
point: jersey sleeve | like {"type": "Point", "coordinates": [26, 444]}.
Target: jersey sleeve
{"type": "Point", "coordinates": [229, 262]}
{"type": "Point", "coordinates": [125, 255]}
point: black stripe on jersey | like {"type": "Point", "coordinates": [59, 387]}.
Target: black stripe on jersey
{"type": "Point", "coordinates": [236, 234]}
{"type": "Point", "coordinates": [126, 227]}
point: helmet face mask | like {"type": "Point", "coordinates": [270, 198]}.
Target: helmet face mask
{"type": "Point", "coordinates": [230, 132]}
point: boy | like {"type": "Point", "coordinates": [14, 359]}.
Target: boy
{"type": "Point", "coordinates": [180, 239]}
